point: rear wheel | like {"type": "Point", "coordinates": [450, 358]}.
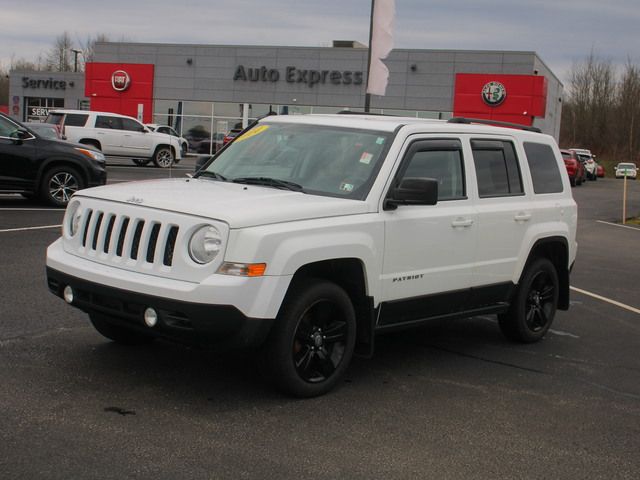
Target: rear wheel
{"type": "Point", "coordinates": [534, 306]}
{"type": "Point", "coordinates": [58, 184]}
{"type": "Point", "coordinates": [163, 157]}
{"type": "Point", "coordinates": [313, 339]}
{"type": "Point", "coordinates": [118, 334]}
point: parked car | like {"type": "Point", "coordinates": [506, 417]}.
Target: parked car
{"type": "Point", "coordinates": [233, 133]}
{"type": "Point", "coordinates": [628, 169]}
{"type": "Point", "coordinates": [315, 233]}
{"type": "Point", "coordinates": [33, 165]}
{"type": "Point", "coordinates": [575, 168]}
{"type": "Point", "coordinates": [166, 129]}
{"type": "Point", "coordinates": [45, 130]}
{"type": "Point", "coordinates": [117, 135]}
{"type": "Point", "coordinates": [600, 171]}
{"type": "Point", "coordinates": [588, 160]}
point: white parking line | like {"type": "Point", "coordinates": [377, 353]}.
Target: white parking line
{"type": "Point", "coordinates": [618, 225]}
{"type": "Point", "coordinates": [608, 300]}
{"type": "Point", "coordinates": [24, 229]}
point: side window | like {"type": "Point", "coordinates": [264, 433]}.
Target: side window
{"type": "Point", "coordinates": [497, 168]}
{"type": "Point", "coordinates": [7, 128]}
{"type": "Point", "coordinates": [131, 125]}
{"type": "Point", "coordinates": [441, 160]}
{"type": "Point", "coordinates": [543, 167]}
{"type": "Point", "coordinates": [113, 123]}
{"type": "Point", "coordinates": [75, 119]}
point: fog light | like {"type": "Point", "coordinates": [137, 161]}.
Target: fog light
{"type": "Point", "coordinates": [150, 317]}
{"type": "Point", "coordinates": [68, 294]}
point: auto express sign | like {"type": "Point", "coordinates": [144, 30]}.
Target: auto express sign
{"type": "Point", "coordinates": [294, 74]}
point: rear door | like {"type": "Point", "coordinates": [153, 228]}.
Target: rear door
{"type": "Point", "coordinates": [504, 215]}
{"type": "Point", "coordinates": [429, 249]}
{"type": "Point", "coordinates": [110, 135]}
{"type": "Point", "coordinates": [18, 158]}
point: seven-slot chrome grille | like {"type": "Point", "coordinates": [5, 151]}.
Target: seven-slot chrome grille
{"type": "Point", "coordinates": [138, 238]}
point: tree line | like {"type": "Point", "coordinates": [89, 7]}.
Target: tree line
{"type": "Point", "coordinates": [601, 111]}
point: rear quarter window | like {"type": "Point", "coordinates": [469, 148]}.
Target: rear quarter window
{"type": "Point", "coordinates": [76, 120]}
{"type": "Point", "coordinates": [543, 167]}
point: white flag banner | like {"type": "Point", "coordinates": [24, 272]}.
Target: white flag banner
{"type": "Point", "coordinates": [384, 12]}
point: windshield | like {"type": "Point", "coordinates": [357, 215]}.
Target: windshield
{"type": "Point", "coordinates": [321, 160]}
{"type": "Point", "coordinates": [626, 165]}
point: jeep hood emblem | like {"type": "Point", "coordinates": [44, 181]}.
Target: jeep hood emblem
{"type": "Point", "coordinates": [134, 199]}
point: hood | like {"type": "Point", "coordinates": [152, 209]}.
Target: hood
{"type": "Point", "coordinates": [238, 205]}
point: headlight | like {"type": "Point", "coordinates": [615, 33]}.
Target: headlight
{"type": "Point", "coordinates": [205, 244]}
{"type": "Point", "coordinates": [73, 216]}
{"type": "Point", "coordinates": [98, 156]}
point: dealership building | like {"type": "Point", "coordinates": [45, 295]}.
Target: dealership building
{"type": "Point", "coordinates": [213, 88]}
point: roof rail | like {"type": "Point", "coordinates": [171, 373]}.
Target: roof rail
{"type": "Point", "coordinates": [484, 121]}
{"type": "Point", "coordinates": [351, 112]}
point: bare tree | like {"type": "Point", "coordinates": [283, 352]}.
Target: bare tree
{"type": "Point", "coordinates": [59, 56]}
{"type": "Point", "coordinates": [628, 112]}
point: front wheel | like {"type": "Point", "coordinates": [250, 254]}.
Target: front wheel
{"type": "Point", "coordinates": [58, 184]}
{"type": "Point", "coordinates": [118, 334]}
{"type": "Point", "coordinates": [313, 339]}
{"type": "Point", "coordinates": [163, 157]}
{"type": "Point", "coordinates": [532, 309]}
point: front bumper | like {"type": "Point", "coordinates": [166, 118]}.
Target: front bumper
{"type": "Point", "coordinates": [218, 326]}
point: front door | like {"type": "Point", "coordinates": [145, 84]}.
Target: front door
{"type": "Point", "coordinates": [429, 249]}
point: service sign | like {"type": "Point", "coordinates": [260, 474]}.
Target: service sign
{"type": "Point", "coordinates": [120, 80]}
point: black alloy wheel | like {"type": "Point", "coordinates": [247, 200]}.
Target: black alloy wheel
{"type": "Point", "coordinates": [312, 341]}
{"type": "Point", "coordinates": [534, 305]}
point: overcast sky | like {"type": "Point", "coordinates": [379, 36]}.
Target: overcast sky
{"type": "Point", "coordinates": [560, 31]}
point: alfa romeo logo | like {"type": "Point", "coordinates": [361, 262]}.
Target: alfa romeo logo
{"type": "Point", "coordinates": [494, 93]}
{"type": "Point", "coordinates": [120, 80]}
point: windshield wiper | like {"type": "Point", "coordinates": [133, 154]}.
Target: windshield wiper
{"type": "Point", "coordinates": [270, 182]}
{"type": "Point", "coordinates": [214, 175]}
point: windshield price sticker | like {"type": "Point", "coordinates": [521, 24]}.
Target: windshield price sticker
{"type": "Point", "coordinates": [366, 158]}
{"type": "Point", "coordinates": [252, 133]}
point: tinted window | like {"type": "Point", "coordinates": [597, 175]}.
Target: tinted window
{"type": "Point", "coordinates": [543, 167]}
{"type": "Point", "coordinates": [7, 128]}
{"type": "Point", "coordinates": [108, 122]}
{"type": "Point", "coordinates": [440, 160]}
{"type": "Point", "coordinates": [131, 125]}
{"type": "Point", "coordinates": [76, 119]}
{"type": "Point", "coordinates": [496, 168]}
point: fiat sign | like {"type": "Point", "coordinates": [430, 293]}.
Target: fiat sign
{"type": "Point", "coordinates": [120, 80]}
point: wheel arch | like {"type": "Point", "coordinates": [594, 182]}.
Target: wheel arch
{"type": "Point", "coordinates": [556, 249]}
{"type": "Point", "coordinates": [61, 162]}
{"type": "Point", "coordinates": [350, 275]}
{"type": "Point", "coordinates": [91, 141]}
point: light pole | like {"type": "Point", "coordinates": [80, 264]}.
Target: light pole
{"type": "Point", "coordinates": [75, 59]}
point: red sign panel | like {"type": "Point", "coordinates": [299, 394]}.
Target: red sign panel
{"type": "Point", "coordinates": [505, 98]}
{"type": "Point", "coordinates": [120, 88]}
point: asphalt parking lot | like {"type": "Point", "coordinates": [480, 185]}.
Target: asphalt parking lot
{"type": "Point", "coordinates": [451, 400]}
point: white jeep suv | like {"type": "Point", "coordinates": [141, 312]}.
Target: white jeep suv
{"type": "Point", "coordinates": [117, 135]}
{"type": "Point", "coordinates": [309, 235]}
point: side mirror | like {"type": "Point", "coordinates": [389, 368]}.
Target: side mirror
{"type": "Point", "coordinates": [413, 191]}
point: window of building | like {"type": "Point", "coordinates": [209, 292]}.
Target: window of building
{"type": "Point", "coordinates": [37, 108]}
{"type": "Point", "coordinates": [543, 167]}
{"type": "Point", "coordinates": [497, 168]}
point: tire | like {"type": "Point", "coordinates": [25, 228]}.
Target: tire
{"type": "Point", "coordinates": [58, 184]}
{"type": "Point", "coordinates": [141, 162]}
{"type": "Point", "coordinates": [534, 305]}
{"type": "Point", "coordinates": [572, 181]}
{"type": "Point", "coordinates": [163, 158]}
{"type": "Point", "coordinates": [312, 341]}
{"type": "Point", "coordinates": [118, 334]}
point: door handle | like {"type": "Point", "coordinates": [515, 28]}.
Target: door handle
{"type": "Point", "coordinates": [522, 217]}
{"type": "Point", "coordinates": [462, 222]}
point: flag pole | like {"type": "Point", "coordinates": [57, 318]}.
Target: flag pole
{"type": "Point", "coordinates": [367, 96]}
